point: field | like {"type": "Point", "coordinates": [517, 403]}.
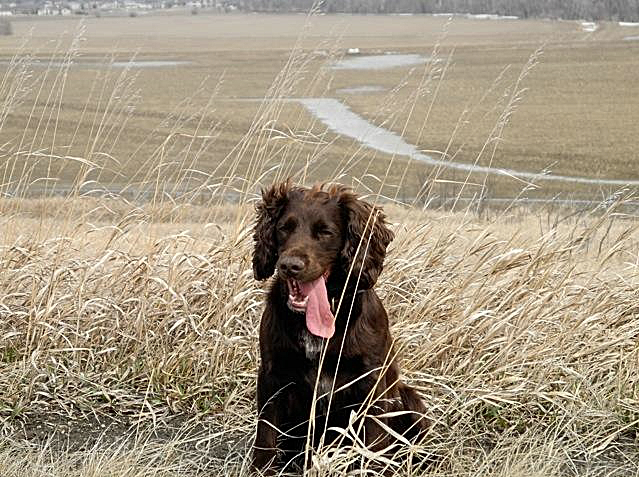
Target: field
{"type": "Point", "coordinates": [572, 113]}
{"type": "Point", "coordinates": [128, 309]}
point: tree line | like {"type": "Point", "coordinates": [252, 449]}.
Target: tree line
{"type": "Point", "coordinates": [616, 10]}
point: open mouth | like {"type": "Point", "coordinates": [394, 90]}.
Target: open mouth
{"type": "Point", "coordinates": [311, 299]}
{"type": "Point", "coordinates": [297, 301]}
{"type": "Point", "coordinates": [298, 292]}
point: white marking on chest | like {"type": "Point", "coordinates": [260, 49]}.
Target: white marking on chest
{"type": "Point", "coordinates": [312, 345]}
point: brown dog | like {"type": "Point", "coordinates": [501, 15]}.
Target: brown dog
{"type": "Point", "coordinates": [328, 247]}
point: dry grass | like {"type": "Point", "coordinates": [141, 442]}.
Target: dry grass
{"type": "Point", "coordinates": [128, 318]}
{"type": "Point", "coordinates": [522, 341]}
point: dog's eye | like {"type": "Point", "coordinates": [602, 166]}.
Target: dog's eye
{"type": "Point", "coordinates": [323, 232]}
{"type": "Point", "coordinates": [287, 226]}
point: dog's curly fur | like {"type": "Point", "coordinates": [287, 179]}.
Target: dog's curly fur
{"type": "Point", "coordinates": [326, 229]}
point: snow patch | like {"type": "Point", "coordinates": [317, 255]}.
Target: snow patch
{"type": "Point", "coordinates": [477, 16]}
{"type": "Point", "coordinates": [379, 62]}
{"type": "Point", "coordinates": [361, 89]}
{"type": "Point", "coordinates": [340, 119]}
{"type": "Point", "coordinates": [489, 16]}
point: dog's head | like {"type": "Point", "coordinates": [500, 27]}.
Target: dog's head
{"type": "Point", "coordinates": [319, 232]}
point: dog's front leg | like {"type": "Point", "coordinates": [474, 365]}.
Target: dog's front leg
{"type": "Point", "coordinates": [265, 447]}
{"type": "Point", "coordinates": [375, 437]}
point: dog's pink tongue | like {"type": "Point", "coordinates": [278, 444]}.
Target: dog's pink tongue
{"type": "Point", "coordinates": [319, 319]}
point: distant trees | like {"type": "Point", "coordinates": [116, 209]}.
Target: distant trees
{"type": "Point", "coordinates": [627, 10]}
{"type": "Point", "coordinates": [616, 10]}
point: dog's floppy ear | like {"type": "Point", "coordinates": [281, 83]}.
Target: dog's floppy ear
{"type": "Point", "coordinates": [367, 237]}
{"type": "Point", "coordinates": [269, 209]}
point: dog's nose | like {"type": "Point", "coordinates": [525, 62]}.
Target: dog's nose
{"type": "Point", "coordinates": [291, 266]}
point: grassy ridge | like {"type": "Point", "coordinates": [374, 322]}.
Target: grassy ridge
{"type": "Point", "coordinates": [521, 338]}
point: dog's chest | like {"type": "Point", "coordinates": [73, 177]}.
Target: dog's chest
{"type": "Point", "coordinates": [313, 346]}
